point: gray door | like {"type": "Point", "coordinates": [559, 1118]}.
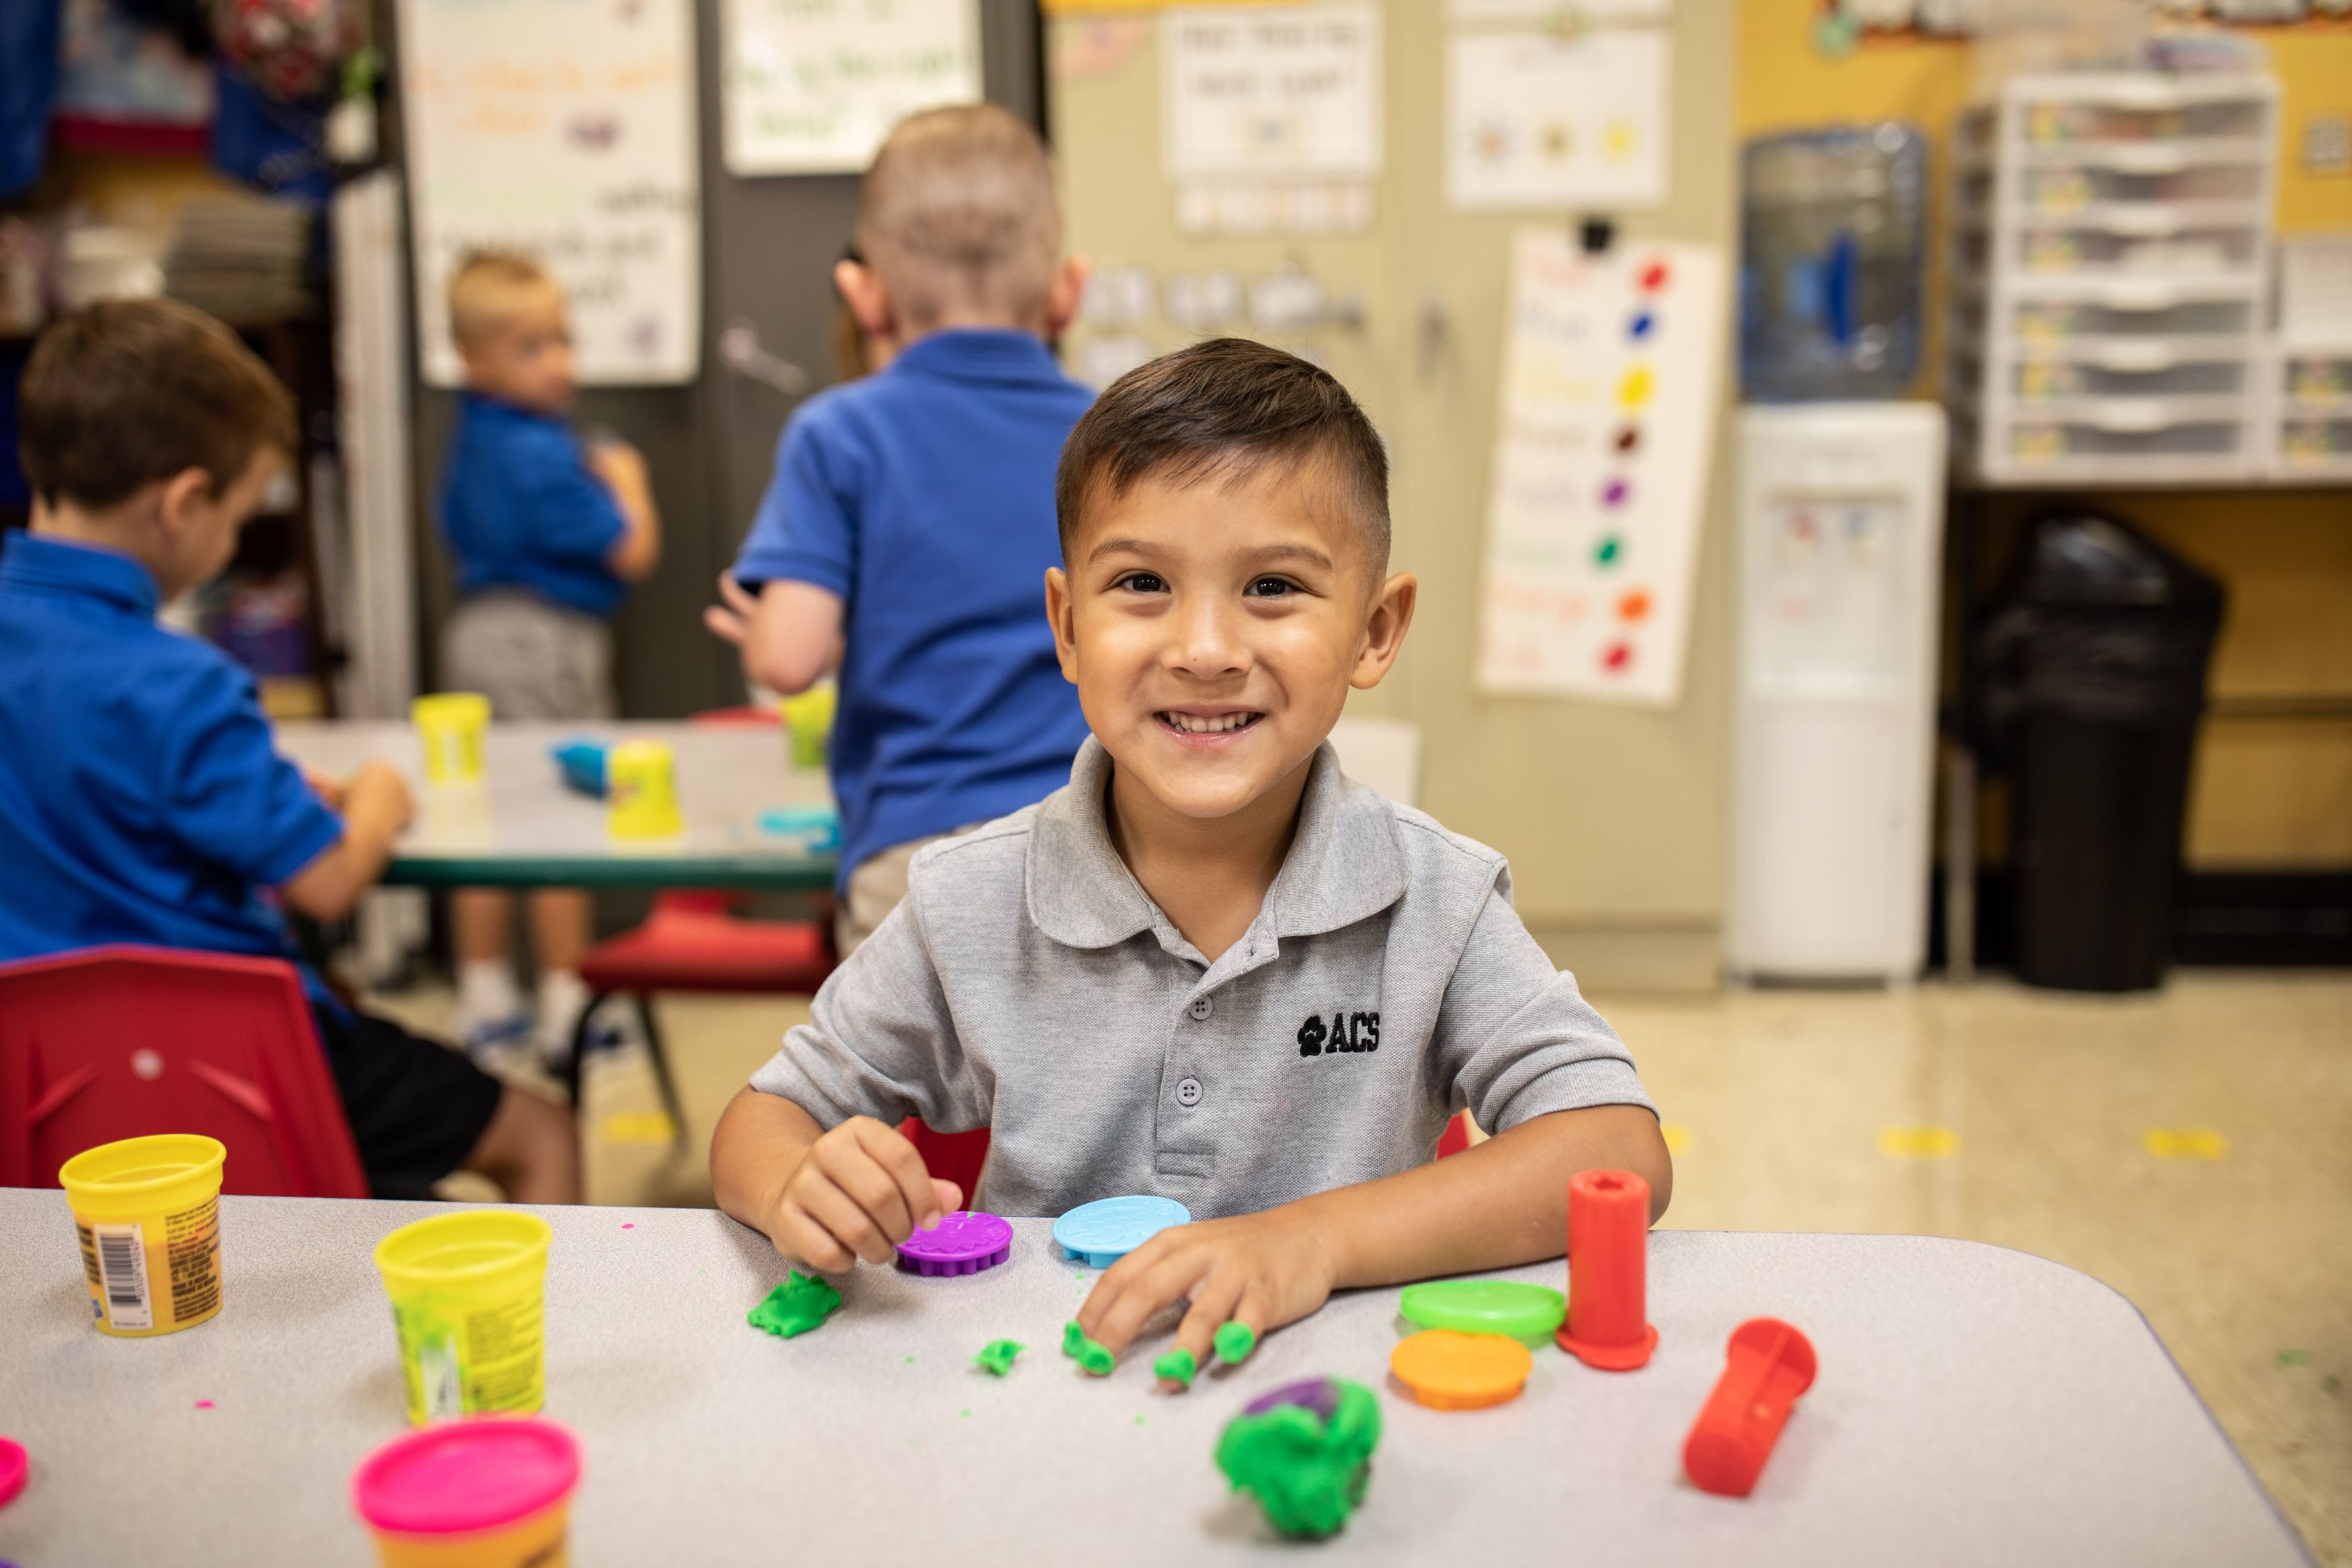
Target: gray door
{"type": "Point", "coordinates": [769, 246]}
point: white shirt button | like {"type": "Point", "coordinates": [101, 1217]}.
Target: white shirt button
{"type": "Point", "coordinates": [1188, 1092]}
{"type": "Point", "coordinates": [1202, 1007]}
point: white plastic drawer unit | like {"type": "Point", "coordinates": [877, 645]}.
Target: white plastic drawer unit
{"type": "Point", "coordinates": [2134, 436]}
{"type": "Point", "coordinates": [2230, 182]}
{"type": "Point", "coordinates": [2314, 412]}
{"type": "Point", "coordinates": [2171, 242]}
{"type": "Point", "coordinates": [2069, 111]}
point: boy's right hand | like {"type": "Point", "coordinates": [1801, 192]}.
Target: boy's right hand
{"type": "Point", "coordinates": [731, 620]}
{"type": "Point", "coordinates": [378, 789]}
{"type": "Point", "coordinates": [859, 1191]}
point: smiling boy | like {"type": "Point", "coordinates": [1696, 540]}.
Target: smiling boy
{"type": "Point", "coordinates": [1212, 967]}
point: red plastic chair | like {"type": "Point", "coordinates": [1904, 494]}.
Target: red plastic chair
{"type": "Point", "coordinates": [121, 1042]}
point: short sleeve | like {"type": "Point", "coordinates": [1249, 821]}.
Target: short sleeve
{"type": "Point", "coordinates": [880, 1040]}
{"type": "Point", "coordinates": [229, 797]}
{"type": "Point", "coordinates": [1517, 1039]}
{"type": "Point", "coordinates": [805, 530]}
{"type": "Point", "coordinates": [567, 512]}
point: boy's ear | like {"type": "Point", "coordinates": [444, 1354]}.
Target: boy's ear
{"type": "Point", "coordinates": [179, 497]}
{"type": "Point", "coordinates": [1061, 614]}
{"type": "Point", "coordinates": [1384, 631]}
{"type": "Point", "coordinates": [868, 299]}
{"type": "Point", "coordinates": [1066, 294]}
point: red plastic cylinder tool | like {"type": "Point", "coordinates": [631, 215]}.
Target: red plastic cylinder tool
{"type": "Point", "coordinates": [1771, 1363]}
{"type": "Point", "coordinates": [1608, 1277]}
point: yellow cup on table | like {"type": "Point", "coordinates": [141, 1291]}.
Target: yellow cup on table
{"type": "Point", "coordinates": [641, 779]}
{"type": "Point", "coordinates": [495, 1492]}
{"type": "Point", "coordinates": [808, 719]}
{"type": "Point", "coordinates": [452, 725]}
{"type": "Point", "coordinates": [469, 1301]}
{"type": "Point", "coordinates": [148, 1213]}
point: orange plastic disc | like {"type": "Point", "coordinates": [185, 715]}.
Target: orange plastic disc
{"type": "Point", "coordinates": [1450, 1371]}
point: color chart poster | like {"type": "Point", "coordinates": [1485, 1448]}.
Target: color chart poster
{"type": "Point", "coordinates": [1610, 380]}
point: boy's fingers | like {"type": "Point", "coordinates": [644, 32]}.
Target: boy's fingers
{"type": "Point", "coordinates": [741, 598]}
{"type": "Point", "coordinates": [950, 1196]}
{"type": "Point", "coordinates": [1213, 1307]}
{"type": "Point", "coordinates": [846, 1223]}
{"type": "Point", "coordinates": [725, 625]}
{"type": "Point", "coordinates": [854, 1173]}
{"type": "Point", "coordinates": [1117, 1279]}
{"type": "Point", "coordinates": [1184, 1273]}
{"type": "Point", "coordinates": [904, 1165]}
{"type": "Point", "coordinates": [802, 1239]}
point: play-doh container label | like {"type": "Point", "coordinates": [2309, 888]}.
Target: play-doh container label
{"type": "Point", "coordinates": [468, 1358]}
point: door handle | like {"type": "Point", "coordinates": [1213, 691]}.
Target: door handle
{"type": "Point", "coordinates": [740, 350]}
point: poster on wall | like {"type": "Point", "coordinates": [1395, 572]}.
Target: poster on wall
{"type": "Point", "coordinates": [566, 131]}
{"type": "Point", "coordinates": [1271, 91]}
{"type": "Point", "coordinates": [1534, 120]}
{"type": "Point", "coordinates": [811, 87]}
{"type": "Point", "coordinates": [1612, 367]}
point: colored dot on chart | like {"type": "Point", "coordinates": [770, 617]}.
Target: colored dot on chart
{"type": "Point", "coordinates": [1635, 389]}
{"type": "Point", "coordinates": [1608, 552]}
{"type": "Point", "coordinates": [1633, 606]}
{"type": "Point", "coordinates": [1653, 276]}
{"type": "Point", "coordinates": [1640, 326]}
{"type": "Point", "coordinates": [1618, 658]}
{"type": "Point", "coordinates": [1613, 493]}
{"type": "Point", "coordinates": [1629, 439]}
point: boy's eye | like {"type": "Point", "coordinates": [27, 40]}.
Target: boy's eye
{"type": "Point", "coordinates": [1142, 582]}
{"type": "Point", "coordinates": [1272, 588]}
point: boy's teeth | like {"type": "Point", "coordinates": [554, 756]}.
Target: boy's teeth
{"type": "Point", "coordinates": [1193, 724]}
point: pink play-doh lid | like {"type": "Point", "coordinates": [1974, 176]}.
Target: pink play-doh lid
{"type": "Point", "coordinates": [480, 1473]}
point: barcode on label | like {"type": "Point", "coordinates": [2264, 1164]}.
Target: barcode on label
{"type": "Point", "coordinates": [122, 1276]}
{"type": "Point", "coordinates": [436, 1362]}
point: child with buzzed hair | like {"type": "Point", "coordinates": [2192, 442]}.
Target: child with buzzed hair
{"type": "Point", "coordinates": [1210, 969]}
{"type": "Point", "coordinates": [910, 519]}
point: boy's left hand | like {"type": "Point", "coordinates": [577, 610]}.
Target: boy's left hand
{"type": "Point", "coordinates": [1262, 1270]}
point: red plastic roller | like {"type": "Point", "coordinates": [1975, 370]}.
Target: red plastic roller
{"type": "Point", "coordinates": [1607, 1322]}
{"type": "Point", "coordinates": [1771, 1363]}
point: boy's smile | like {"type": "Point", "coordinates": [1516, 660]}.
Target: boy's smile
{"type": "Point", "coordinates": [1214, 627]}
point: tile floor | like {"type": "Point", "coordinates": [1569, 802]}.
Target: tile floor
{"type": "Point", "coordinates": [2193, 1149]}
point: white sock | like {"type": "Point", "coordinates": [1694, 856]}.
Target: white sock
{"type": "Point", "coordinates": [563, 998]}
{"type": "Point", "coordinates": [485, 992]}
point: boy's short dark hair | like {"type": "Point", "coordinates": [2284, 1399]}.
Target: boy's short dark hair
{"type": "Point", "coordinates": [127, 391]}
{"type": "Point", "coordinates": [1227, 405]}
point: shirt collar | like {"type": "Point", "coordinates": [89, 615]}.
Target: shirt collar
{"type": "Point", "coordinates": [1345, 863]}
{"type": "Point", "coordinates": [979, 354]}
{"type": "Point", "coordinates": [482, 402]}
{"type": "Point", "coordinates": [68, 566]}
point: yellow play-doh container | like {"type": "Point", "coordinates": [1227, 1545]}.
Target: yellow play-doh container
{"type": "Point", "coordinates": [469, 1302]}
{"type": "Point", "coordinates": [148, 1213]}
{"type": "Point", "coordinates": [808, 719]}
{"type": "Point", "coordinates": [642, 783]}
{"type": "Point", "coordinates": [452, 726]}
{"type": "Point", "coordinates": [493, 1492]}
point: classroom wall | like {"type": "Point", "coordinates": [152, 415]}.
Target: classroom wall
{"type": "Point", "coordinates": [2273, 788]}
{"type": "Point", "coordinates": [1612, 817]}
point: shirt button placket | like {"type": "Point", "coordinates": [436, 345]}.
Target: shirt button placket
{"type": "Point", "coordinates": [1188, 1092]}
{"type": "Point", "coordinates": [1202, 1006]}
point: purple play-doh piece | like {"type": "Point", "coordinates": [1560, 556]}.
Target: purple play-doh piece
{"type": "Point", "coordinates": [1319, 1394]}
{"type": "Point", "coordinates": [963, 1242]}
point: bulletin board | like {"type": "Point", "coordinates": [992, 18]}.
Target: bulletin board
{"type": "Point", "coordinates": [811, 87]}
{"type": "Point", "coordinates": [565, 130]}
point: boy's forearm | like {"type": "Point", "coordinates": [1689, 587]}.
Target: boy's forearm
{"type": "Point", "coordinates": [760, 1141]}
{"type": "Point", "coordinates": [1502, 1203]}
{"type": "Point", "coordinates": [331, 886]}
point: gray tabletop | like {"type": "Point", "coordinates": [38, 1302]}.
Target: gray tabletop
{"type": "Point", "coordinates": [521, 827]}
{"type": "Point", "coordinates": [1975, 1405]}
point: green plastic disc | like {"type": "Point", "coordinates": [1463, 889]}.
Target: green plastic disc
{"type": "Point", "coordinates": [1485, 1306]}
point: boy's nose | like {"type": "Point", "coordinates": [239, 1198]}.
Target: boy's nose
{"type": "Point", "coordinates": [1207, 642]}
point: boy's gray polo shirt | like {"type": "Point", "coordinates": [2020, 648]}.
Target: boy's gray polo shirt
{"type": "Point", "coordinates": [1027, 984]}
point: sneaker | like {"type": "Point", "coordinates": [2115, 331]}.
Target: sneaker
{"type": "Point", "coordinates": [613, 1026]}
{"type": "Point", "coordinates": [497, 1042]}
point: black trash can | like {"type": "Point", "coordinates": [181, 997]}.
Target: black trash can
{"type": "Point", "coordinates": [2094, 680]}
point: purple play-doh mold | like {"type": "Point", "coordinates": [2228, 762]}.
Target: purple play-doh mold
{"type": "Point", "coordinates": [963, 1242]}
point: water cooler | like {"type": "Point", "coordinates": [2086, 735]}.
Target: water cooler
{"type": "Point", "coordinates": [1841, 530]}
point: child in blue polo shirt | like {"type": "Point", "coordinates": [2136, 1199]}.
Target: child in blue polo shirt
{"type": "Point", "coordinates": [909, 525]}
{"type": "Point", "coordinates": [140, 798]}
{"type": "Point", "coordinates": [548, 532]}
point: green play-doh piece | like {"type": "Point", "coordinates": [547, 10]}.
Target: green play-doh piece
{"type": "Point", "coordinates": [1234, 1341]}
{"type": "Point", "coordinates": [1086, 1352]}
{"type": "Point", "coordinates": [1307, 1472]}
{"type": "Point", "coordinates": [1485, 1306]}
{"type": "Point", "coordinates": [1177, 1367]}
{"type": "Point", "coordinates": [997, 1355]}
{"type": "Point", "coordinates": [801, 1303]}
